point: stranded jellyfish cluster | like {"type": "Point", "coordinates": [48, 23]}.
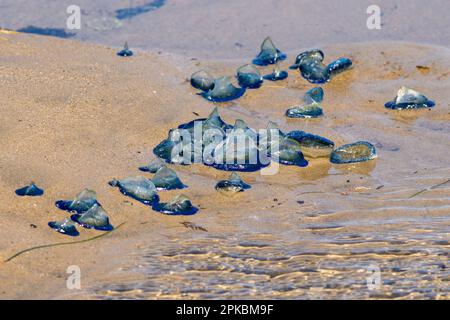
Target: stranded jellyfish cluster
{"type": "Point", "coordinates": [214, 142]}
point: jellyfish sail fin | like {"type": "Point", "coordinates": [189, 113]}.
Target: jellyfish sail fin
{"type": "Point", "coordinates": [138, 188]}
{"type": "Point", "coordinates": [269, 54]}
{"type": "Point", "coordinates": [202, 80]}
{"type": "Point", "coordinates": [180, 205]}
{"type": "Point", "coordinates": [223, 91]}
{"type": "Point", "coordinates": [249, 77]}
{"type": "Point", "coordinates": [409, 99]}
{"type": "Point", "coordinates": [96, 217]}
{"type": "Point", "coordinates": [167, 179]}
{"type": "Point", "coordinates": [31, 190]}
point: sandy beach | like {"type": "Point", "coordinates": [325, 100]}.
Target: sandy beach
{"type": "Point", "coordinates": [75, 116]}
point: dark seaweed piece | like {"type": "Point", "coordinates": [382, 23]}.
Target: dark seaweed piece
{"type": "Point", "coordinates": [125, 52]}
{"type": "Point", "coordinates": [355, 152]}
{"type": "Point", "coordinates": [233, 185]}
{"type": "Point", "coordinates": [82, 202]}
{"type": "Point", "coordinates": [180, 205]}
{"type": "Point", "coordinates": [153, 166]}
{"type": "Point", "coordinates": [409, 99]}
{"type": "Point", "coordinates": [202, 80]}
{"type": "Point", "coordinates": [167, 179]}
{"type": "Point", "coordinates": [277, 74]}
{"type": "Point", "coordinates": [53, 32]}
{"type": "Point", "coordinates": [269, 54]}
{"type": "Point", "coordinates": [138, 188]}
{"type": "Point", "coordinates": [223, 91]}
{"type": "Point", "coordinates": [312, 146]}
{"type": "Point", "coordinates": [65, 226]}
{"type": "Point", "coordinates": [32, 191]}
{"type": "Point", "coordinates": [125, 13]}
{"type": "Point", "coordinates": [249, 77]}
{"type": "Point", "coordinates": [96, 217]}
{"type": "Point", "coordinates": [339, 65]}
{"type": "Point", "coordinates": [193, 226]}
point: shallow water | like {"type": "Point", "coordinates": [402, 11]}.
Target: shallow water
{"type": "Point", "coordinates": [324, 248]}
{"type": "Point", "coordinates": [231, 28]}
{"type": "Point", "coordinates": [319, 231]}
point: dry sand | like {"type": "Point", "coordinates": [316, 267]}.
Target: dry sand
{"type": "Point", "coordinates": [75, 115]}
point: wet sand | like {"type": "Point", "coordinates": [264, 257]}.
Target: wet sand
{"type": "Point", "coordinates": [232, 29]}
{"type": "Point", "coordinates": [74, 115]}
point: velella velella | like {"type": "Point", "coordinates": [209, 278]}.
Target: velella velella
{"type": "Point", "coordinates": [282, 148]}
{"type": "Point", "coordinates": [309, 111]}
{"type": "Point", "coordinates": [277, 74]}
{"type": "Point", "coordinates": [242, 149]}
{"type": "Point", "coordinates": [339, 65]}
{"type": "Point", "coordinates": [125, 52]}
{"type": "Point", "coordinates": [96, 217]}
{"type": "Point", "coordinates": [203, 133]}
{"type": "Point", "coordinates": [409, 99]}
{"type": "Point", "coordinates": [223, 91]}
{"type": "Point", "coordinates": [138, 188]}
{"type": "Point", "coordinates": [312, 146]}
{"type": "Point", "coordinates": [311, 108]}
{"type": "Point", "coordinates": [314, 54]}
{"type": "Point", "coordinates": [269, 136]}
{"type": "Point", "coordinates": [172, 149]}
{"type": "Point", "coordinates": [167, 179]}
{"type": "Point", "coordinates": [249, 77]}
{"type": "Point", "coordinates": [287, 151]}
{"type": "Point", "coordinates": [311, 66]}
{"type": "Point", "coordinates": [238, 151]}
{"type": "Point", "coordinates": [65, 226]}
{"type": "Point", "coordinates": [314, 95]}
{"type": "Point", "coordinates": [164, 149]}
{"type": "Point", "coordinates": [354, 152]}
{"type": "Point", "coordinates": [82, 202]}
{"type": "Point", "coordinates": [213, 121]}
{"type": "Point", "coordinates": [180, 205]}
{"type": "Point", "coordinates": [273, 126]}
{"type": "Point", "coordinates": [269, 54]}
{"type": "Point", "coordinates": [153, 166]}
{"type": "Point", "coordinates": [32, 191]}
{"type": "Point", "coordinates": [202, 80]}
{"type": "Point", "coordinates": [233, 185]}
{"type": "Point", "coordinates": [314, 71]}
